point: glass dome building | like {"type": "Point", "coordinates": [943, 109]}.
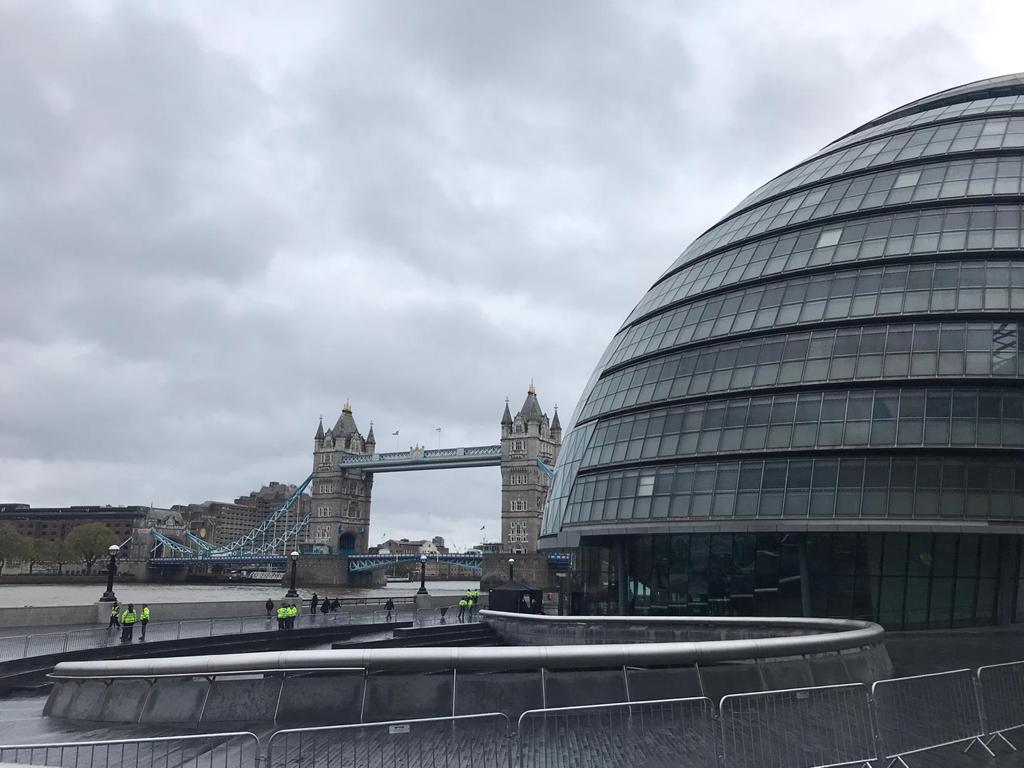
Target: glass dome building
{"type": "Point", "coordinates": [818, 408]}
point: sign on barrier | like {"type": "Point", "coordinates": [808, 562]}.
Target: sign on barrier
{"type": "Point", "coordinates": [466, 741]}
{"type": "Point", "coordinates": [238, 749]}
{"type": "Point", "coordinates": [1001, 690]}
{"type": "Point", "coordinates": [915, 714]}
{"type": "Point", "coordinates": [652, 734]}
{"type": "Point", "coordinates": [798, 727]}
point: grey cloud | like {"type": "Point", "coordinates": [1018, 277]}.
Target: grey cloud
{"type": "Point", "coordinates": [218, 225]}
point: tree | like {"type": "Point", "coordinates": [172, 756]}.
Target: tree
{"type": "Point", "coordinates": [89, 543]}
{"type": "Point", "coordinates": [13, 546]}
{"type": "Point", "coordinates": [42, 551]}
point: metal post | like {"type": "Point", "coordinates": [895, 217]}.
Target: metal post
{"type": "Point", "coordinates": [423, 576]}
{"type": "Point", "coordinates": [291, 593]}
{"type": "Point", "coordinates": [511, 568]}
{"type": "Point", "coordinates": [108, 596]}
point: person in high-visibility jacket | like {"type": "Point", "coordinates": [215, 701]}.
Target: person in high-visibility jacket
{"type": "Point", "coordinates": [144, 619]}
{"type": "Point", "coordinates": [115, 617]}
{"type": "Point", "coordinates": [293, 612]}
{"type": "Point", "coordinates": [128, 619]}
{"type": "Point", "coordinates": [462, 609]}
{"type": "Point", "coordinates": [282, 614]}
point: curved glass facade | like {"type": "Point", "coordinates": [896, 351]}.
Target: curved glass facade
{"type": "Point", "coordinates": [834, 365]}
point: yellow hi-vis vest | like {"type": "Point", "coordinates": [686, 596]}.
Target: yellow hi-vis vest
{"type": "Point", "coordinates": [145, 613]}
{"type": "Point", "coordinates": [282, 612]}
{"type": "Point", "coordinates": [128, 617]}
{"type": "Point", "coordinates": [463, 603]}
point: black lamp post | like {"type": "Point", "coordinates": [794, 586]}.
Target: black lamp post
{"type": "Point", "coordinates": [423, 576]}
{"type": "Point", "coordinates": [511, 567]}
{"type": "Point", "coordinates": [291, 593]}
{"type": "Point", "coordinates": [108, 596]}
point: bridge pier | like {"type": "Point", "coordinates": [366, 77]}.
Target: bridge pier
{"type": "Point", "coordinates": [332, 570]}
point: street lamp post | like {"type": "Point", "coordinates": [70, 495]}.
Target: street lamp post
{"type": "Point", "coordinates": [511, 568]}
{"type": "Point", "coordinates": [291, 593]}
{"type": "Point", "coordinates": [423, 576]}
{"type": "Point", "coordinates": [108, 596]}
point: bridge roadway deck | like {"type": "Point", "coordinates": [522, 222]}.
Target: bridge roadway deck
{"type": "Point", "coordinates": [421, 459]}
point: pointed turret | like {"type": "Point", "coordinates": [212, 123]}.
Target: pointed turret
{"type": "Point", "coordinates": [320, 431]}
{"type": "Point", "coordinates": [346, 425]}
{"type": "Point", "coordinates": [531, 408]}
{"type": "Point", "coordinates": [371, 441]}
{"type": "Point", "coordinates": [556, 425]}
{"type": "Point", "coordinates": [506, 417]}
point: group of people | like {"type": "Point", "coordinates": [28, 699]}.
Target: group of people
{"type": "Point", "coordinates": [286, 614]}
{"type": "Point", "coordinates": [467, 603]}
{"type": "Point", "coordinates": [326, 605]}
{"type": "Point", "coordinates": [127, 619]}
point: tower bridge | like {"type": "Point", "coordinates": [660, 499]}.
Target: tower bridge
{"type": "Point", "coordinates": [336, 520]}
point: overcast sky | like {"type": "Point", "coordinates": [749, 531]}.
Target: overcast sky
{"type": "Point", "coordinates": [219, 221]}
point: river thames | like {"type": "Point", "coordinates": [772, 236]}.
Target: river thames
{"type": "Point", "coordinates": [19, 595]}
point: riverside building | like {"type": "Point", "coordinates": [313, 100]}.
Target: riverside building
{"type": "Point", "coordinates": [818, 408]}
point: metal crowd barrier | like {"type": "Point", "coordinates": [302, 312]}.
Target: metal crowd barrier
{"type": "Point", "coordinates": [819, 727]}
{"type": "Point", "coordinates": [823, 726]}
{"type": "Point", "coordinates": [206, 750]}
{"type": "Point", "coordinates": [1001, 692]}
{"type": "Point", "coordinates": [923, 712]}
{"type": "Point", "coordinates": [465, 741]}
{"type": "Point", "coordinates": [657, 734]}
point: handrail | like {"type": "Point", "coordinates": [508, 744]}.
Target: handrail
{"type": "Point", "coordinates": [55, 676]}
{"type": "Point", "coordinates": [147, 740]}
{"type": "Point", "coordinates": [851, 634]}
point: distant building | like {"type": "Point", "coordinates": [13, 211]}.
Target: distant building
{"type": "Point", "coordinates": [221, 522]}
{"type": "Point", "coordinates": [525, 440]}
{"type": "Point", "coordinates": [54, 523]}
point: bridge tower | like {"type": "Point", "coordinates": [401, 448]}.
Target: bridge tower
{"type": "Point", "coordinates": [340, 511]}
{"type": "Point", "coordinates": [524, 485]}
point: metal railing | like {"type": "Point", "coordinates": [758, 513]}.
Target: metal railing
{"type": "Point", "coordinates": [206, 750]}
{"type": "Point", "coordinates": [655, 734]}
{"type": "Point", "coordinates": [43, 644]}
{"type": "Point", "coordinates": [464, 741]}
{"type": "Point", "coordinates": [824, 726]}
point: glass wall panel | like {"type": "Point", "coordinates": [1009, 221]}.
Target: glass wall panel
{"type": "Point", "coordinates": [745, 574]}
{"type": "Point", "coordinates": [870, 292]}
{"type": "Point", "coordinates": [892, 237]}
{"type": "Point", "coordinates": [828, 355]}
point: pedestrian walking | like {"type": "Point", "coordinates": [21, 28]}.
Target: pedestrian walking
{"type": "Point", "coordinates": [282, 613]}
{"type": "Point", "coordinates": [144, 620]}
{"type": "Point", "coordinates": [335, 605]}
{"type": "Point", "coordinates": [128, 623]}
{"type": "Point", "coordinates": [469, 607]}
{"type": "Point", "coordinates": [325, 606]}
{"type": "Point", "coordinates": [313, 604]}
{"type": "Point", "coordinates": [389, 606]}
{"type": "Point", "coordinates": [269, 605]}
{"type": "Point", "coordinates": [462, 609]}
{"type": "Point", "coordinates": [444, 612]}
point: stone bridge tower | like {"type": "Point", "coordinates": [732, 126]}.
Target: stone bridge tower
{"type": "Point", "coordinates": [339, 520]}
{"type": "Point", "coordinates": [524, 485]}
